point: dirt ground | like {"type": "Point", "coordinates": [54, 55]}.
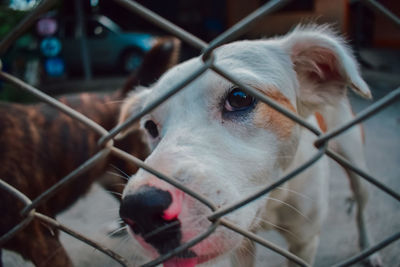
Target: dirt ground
{"type": "Point", "coordinates": [94, 213]}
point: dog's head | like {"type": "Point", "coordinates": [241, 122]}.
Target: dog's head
{"type": "Point", "coordinates": [223, 143]}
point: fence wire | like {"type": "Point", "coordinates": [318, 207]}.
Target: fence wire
{"type": "Point", "coordinates": [106, 146]}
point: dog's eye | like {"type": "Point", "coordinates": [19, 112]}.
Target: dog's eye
{"type": "Point", "coordinates": [238, 100]}
{"type": "Point", "coordinates": [151, 128]}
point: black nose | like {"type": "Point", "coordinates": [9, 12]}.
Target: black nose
{"type": "Point", "coordinates": [143, 212]}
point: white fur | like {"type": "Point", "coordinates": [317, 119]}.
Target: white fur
{"type": "Point", "coordinates": [227, 160]}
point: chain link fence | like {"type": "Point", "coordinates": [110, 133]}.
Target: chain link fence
{"type": "Point", "coordinates": [105, 143]}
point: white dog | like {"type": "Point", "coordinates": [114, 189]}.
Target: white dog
{"type": "Point", "coordinates": [223, 143]}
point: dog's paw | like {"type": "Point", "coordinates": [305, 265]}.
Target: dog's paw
{"type": "Point", "coordinates": [373, 261]}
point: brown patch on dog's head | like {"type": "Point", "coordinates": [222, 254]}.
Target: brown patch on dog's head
{"type": "Point", "coordinates": [321, 122]}
{"type": "Point", "coordinates": [269, 118]}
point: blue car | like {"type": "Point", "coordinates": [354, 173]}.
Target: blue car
{"type": "Point", "coordinates": [109, 47]}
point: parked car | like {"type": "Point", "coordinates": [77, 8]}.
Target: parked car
{"type": "Point", "coordinates": [109, 47]}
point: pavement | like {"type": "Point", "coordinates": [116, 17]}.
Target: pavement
{"type": "Point", "coordinates": [93, 214]}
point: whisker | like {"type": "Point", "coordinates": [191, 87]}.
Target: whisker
{"type": "Point", "coordinates": [283, 229]}
{"type": "Point", "coordinates": [294, 192]}
{"type": "Point", "coordinates": [114, 193]}
{"type": "Point", "coordinates": [110, 234]}
{"type": "Point", "coordinates": [122, 228]}
{"type": "Point", "coordinates": [121, 171]}
{"type": "Point", "coordinates": [118, 175]}
{"type": "Point", "coordinates": [290, 206]}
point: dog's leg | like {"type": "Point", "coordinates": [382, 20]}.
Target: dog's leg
{"type": "Point", "coordinates": [350, 146]}
{"type": "Point", "coordinates": [244, 255]}
{"type": "Point", "coordinates": [360, 194]}
{"type": "Point", "coordinates": [46, 250]}
{"type": "Point", "coordinates": [41, 246]}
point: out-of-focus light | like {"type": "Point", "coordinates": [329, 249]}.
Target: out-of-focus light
{"type": "Point", "coordinates": [23, 4]}
{"type": "Point", "coordinates": [94, 2]}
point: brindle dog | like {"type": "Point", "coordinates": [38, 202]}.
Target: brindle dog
{"type": "Point", "coordinates": [39, 145]}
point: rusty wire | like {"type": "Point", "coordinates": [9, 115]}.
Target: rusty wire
{"type": "Point", "coordinates": [106, 147]}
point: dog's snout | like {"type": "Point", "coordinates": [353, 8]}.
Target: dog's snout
{"type": "Point", "coordinates": [148, 211]}
{"type": "Point", "coordinates": [145, 206]}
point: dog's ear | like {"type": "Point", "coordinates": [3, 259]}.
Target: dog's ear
{"type": "Point", "coordinates": [163, 55]}
{"type": "Point", "coordinates": [324, 66]}
{"type": "Point", "coordinates": [133, 104]}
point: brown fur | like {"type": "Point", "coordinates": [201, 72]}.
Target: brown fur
{"type": "Point", "coordinates": [321, 122]}
{"type": "Point", "coordinates": [267, 117]}
{"type": "Point", "coordinates": [39, 145]}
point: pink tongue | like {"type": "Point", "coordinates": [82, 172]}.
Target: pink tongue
{"type": "Point", "coordinates": [180, 262]}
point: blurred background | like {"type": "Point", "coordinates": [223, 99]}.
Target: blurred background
{"type": "Point", "coordinates": [92, 45]}
{"type": "Point", "coordinates": [80, 42]}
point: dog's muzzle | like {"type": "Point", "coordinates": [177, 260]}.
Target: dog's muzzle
{"type": "Point", "coordinates": [153, 213]}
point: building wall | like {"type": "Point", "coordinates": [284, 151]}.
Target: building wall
{"type": "Point", "coordinates": [278, 23]}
